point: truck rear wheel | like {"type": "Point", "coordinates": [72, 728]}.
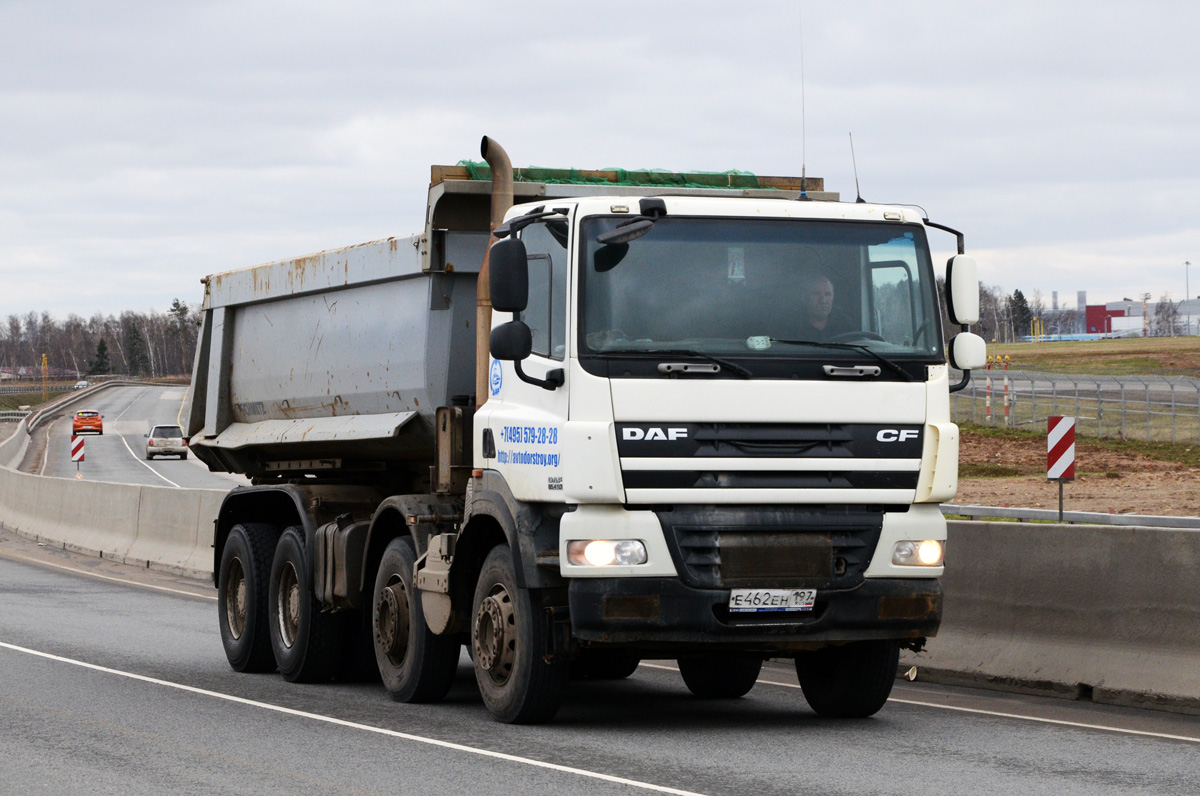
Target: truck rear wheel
{"type": "Point", "coordinates": [305, 640]}
{"type": "Point", "coordinates": [242, 579]}
{"type": "Point", "coordinates": [416, 665]}
{"type": "Point", "coordinates": [851, 681]}
{"type": "Point", "coordinates": [725, 676]}
{"type": "Point", "coordinates": [508, 638]}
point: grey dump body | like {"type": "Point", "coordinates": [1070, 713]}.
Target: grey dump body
{"type": "Point", "coordinates": [339, 357]}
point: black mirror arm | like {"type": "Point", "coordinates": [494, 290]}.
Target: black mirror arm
{"type": "Point", "coordinates": [966, 379]}
{"type": "Point", "coordinates": [520, 222]}
{"type": "Point", "coordinates": [966, 374]}
{"type": "Point", "coordinates": [554, 378]}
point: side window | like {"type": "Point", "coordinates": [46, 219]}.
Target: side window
{"type": "Point", "coordinates": [546, 315]}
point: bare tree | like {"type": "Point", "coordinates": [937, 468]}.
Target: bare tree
{"type": "Point", "coordinates": [1166, 321]}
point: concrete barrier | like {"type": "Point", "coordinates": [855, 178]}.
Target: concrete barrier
{"type": "Point", "coordinates": [12, 450]}
{"type": "Point", "coordinates": [158, 527]}
{"type": "Point", "coordinates": [1109, 614]}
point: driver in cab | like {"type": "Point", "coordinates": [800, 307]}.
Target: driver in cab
{"type": "Point", "coordinates": [819, 321]}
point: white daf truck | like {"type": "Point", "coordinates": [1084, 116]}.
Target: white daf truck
{"type": "Point", "coordinates": [706, 422]}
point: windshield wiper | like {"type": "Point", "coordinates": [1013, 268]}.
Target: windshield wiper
{"type": "Point", "coordinates": [880, 358]}
{"type": "Point", "coordinates": [733, 367]}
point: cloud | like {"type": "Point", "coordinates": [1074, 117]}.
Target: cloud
{"type": "Point", "coordinates": [151, 143]}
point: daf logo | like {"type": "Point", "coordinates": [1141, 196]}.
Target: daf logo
{"type": "Point", "coordinates": [896, 435]}
{"type": "Point", "coordinates": [654, 433]}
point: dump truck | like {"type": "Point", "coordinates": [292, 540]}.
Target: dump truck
{"type": "Point", "coordinates": [586, 419]}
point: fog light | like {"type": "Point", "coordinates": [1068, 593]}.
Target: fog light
{"type": "Point", "coordinates": [927, 553]}
{"type": "Point", "coordinates": [606, 552]}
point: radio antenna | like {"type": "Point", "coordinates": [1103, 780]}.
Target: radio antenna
{"type": "Point", "coordinates": [854, 162]}
{"type": "Point", "coordinates": [803, 117]}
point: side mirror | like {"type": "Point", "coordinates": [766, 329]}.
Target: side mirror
{"type": "Point", "coordinates": [962, 290]}
{"type": "Point", "coordinates": [968, 351]}
{"type": "Point", "coordinates": [508, 276]}
{"type": "Point", "coordinates": [511, 341]}
{"type": "Point", "coordinates": [626, 231]}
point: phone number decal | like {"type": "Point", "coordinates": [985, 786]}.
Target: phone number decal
{"type": "Point", "coordinates": [529, 435]}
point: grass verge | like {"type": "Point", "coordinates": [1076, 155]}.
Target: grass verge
{"type": "Point", "coordinates": [1185, 453]}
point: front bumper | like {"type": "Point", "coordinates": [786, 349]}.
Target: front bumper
{"type": "Point", "coordinates": [665, 614]}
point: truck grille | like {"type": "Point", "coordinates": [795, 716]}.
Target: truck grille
{"type": "Point", "coordinates": [823, 548]}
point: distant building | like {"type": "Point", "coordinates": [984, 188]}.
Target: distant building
{"type": "Point", "coordinates": [1099, 318]}
{"type": "Point", "coordinates": [1124, 318]}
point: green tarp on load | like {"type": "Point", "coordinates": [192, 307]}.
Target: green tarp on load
{"type": "Point", "coordinates": [697, 179]}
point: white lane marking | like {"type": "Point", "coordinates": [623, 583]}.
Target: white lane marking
{"type": "Point", "coordinates": [582, 772]}
{"type": "Point", "coordinates": [136, 458]}
{"type": "Point", "coordinates": [49, 436]}
{"type": "Point", "coordinates": [98, 576]}
{"type": "Point", "coordinates": [148, 467]}
{"type": "Point", "coordinates": [996, 713]}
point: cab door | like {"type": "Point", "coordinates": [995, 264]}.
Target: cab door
{"type": "Point", "coordinates": [526, 420]}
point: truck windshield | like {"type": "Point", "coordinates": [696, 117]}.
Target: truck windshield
{"type": "Point", "coordinates": [761, 288]}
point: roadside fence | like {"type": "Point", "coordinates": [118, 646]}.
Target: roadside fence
{"type": "Point", "coordinates": [1153, 408]}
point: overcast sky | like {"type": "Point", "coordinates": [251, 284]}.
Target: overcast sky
{"type": "Point", "coordinates": [146, 144]}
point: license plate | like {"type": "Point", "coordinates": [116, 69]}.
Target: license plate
{"type": "Point", "coordinates": [764, 600]}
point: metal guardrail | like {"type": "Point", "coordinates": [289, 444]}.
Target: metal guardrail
{"type": "Point", "coordinates": [14, 414]}
{"type": "Point", "coordinates": [1071, 517]}
{"type": "Point", "coordinates": [1157, 408]}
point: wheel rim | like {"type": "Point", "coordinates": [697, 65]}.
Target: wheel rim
{"type": "Point", "coordinates": [392, 620]}
{"type": "Point", "coordinates": [494, 635]}
{"type": "Point", "coordinates": [288, 599]}
{"type": "Point", "coordinates": [235, 599]}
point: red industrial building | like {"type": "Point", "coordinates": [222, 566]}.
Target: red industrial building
{"type": "Point", "coordinates": [1099, 318]}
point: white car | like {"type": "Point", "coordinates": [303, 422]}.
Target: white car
{"type": "Point", "coordinates": [82, 385]}
{"type": "Point", "coordinates": [166, 441]}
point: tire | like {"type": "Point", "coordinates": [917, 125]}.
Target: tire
{"type": "Point", "coordinates": [306, 641]}
{"type": "Point", "coordinates": [242, 579]}
{"type": "Point", "coordinates": [183, 456]}
{"type": "Point", "coordinates": [604, 665]}
{"type": "Point", "coordinates": [728, 675]}
{"type": "Point", "coordinates": [149, 457]}
{"type": "Point", "coordinates": [415, 664]}
{"type": "Point", "coordinates": [508, 636]}
{"type": "Point", "coordinates": [851, 681]}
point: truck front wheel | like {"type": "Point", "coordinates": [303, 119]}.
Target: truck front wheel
{"type": "Point", "coordinates": [851, 681]}
{"type": "Point", "coordinates": [416, 665]}
{"type": "Point", "coordinates": [242, 579]}
{"type": "Point", "coordinates": [725, 676]}
{"type": "Point", "coordinates": [508, 640]}
{"type": "Point", "coordinates": [306, 641]}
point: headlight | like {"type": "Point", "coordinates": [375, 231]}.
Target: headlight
{"type": "Point", "coordinates": [927, 553]}
{"type": "Point", "coordinates": [606, 552]}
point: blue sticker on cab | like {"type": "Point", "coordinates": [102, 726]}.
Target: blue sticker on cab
{"type": "Point", "coordinates": [497, 378]}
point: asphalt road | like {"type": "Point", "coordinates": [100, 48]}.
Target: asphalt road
{"type": "Point", "coordinates": [114, 682]}
{"type": "Point", "coordinates": [119, 455]}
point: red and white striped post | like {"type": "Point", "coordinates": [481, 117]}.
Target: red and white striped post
{"type": "Point", "coordinates": [77, 454]}
{"type": "Point", "coordinates": [1060, 454]}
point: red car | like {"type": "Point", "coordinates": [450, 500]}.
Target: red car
{"type": "Point", "coordinates": [87, 420]}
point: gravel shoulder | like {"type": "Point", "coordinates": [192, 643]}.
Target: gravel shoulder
{"type": "Point", "coordinates": [1107, 481]}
